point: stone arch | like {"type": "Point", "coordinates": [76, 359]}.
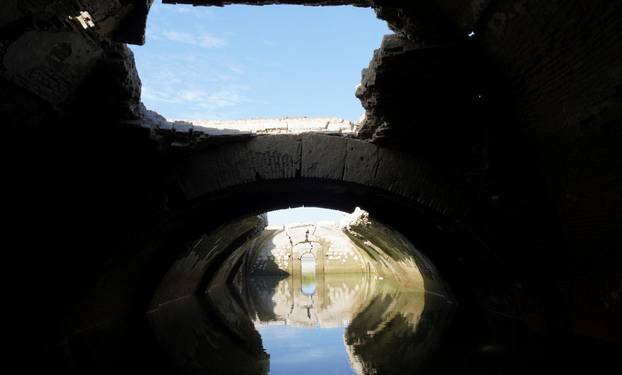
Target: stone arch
{"type": "Point", "coordinates": [270, 172]}
{"type": "Point", "coordinates": [316, 157]}
{"type": "Point", "coordinates": [217, 185]}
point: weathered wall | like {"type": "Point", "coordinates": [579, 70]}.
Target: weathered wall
{"type": "Point", "coordinates": [279, 251]}
{"type": "Point", "coordinates": [544, 80]}
{"type": "Point", "coordinates": [331, 248]}
{"type": "Point", "coordinates": [317, 156]}
{"type": "Point", "coordinates": [357, 245]}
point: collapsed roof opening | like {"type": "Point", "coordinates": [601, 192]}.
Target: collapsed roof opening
{"type": "Point", "coordinates": [209, 64]}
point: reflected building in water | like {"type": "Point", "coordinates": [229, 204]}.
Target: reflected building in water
{"type": "Point", "coordinates": [326, 300]}
{"type": "Point", "coordinates": [360, 278]}
{"type": "Point", "coordinates": [363, 305]}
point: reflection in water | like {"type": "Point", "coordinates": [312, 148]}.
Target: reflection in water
{"type": "Point", "coordinates": [351, 323]}
{"type": "Point", "coordinates": [302, 300]}
{"type": "Point", "coordinates": [307, 272]}
{"type": "Point", "coordinates": [305, 350]}
{"type": "Point", "coordinates": [308, 284]}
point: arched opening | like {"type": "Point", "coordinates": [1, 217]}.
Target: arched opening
{"type": "Point", "coordinates": [242, 68]}
{"type": "Point", "coordinates": [277, 172]}
{"type": "Point", "coordinates": [318, 288]}
{"type": "Point", "coordinates": [307, 274]}
{"type": "Point", "coordinates": [307, 264]}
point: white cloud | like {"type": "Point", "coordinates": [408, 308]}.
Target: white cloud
{"type": "Point", "coordinates": [196, 11]}
{"type": "Point", "coordinates": [225, 97]}
{"type": "Point", "coordinates": [185, 9]}
{"type": "Point", "coordinates": [201, 39]}
{"type": "Point", "coordinates": [210, 41]}
{"type": "Point", "coordinates": [194, 103]}
{"type": "Point", "coordinates": [204, 39]}
{"type": "Point", "coordinates": [219, 98]}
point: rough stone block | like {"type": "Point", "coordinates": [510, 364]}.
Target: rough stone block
{"type": "Point", "coordinates": [323, 156]}
{"type": "Point", "coordinates": [53, 65]}
{"type": "Point", "coordinates": [235, 165]}
{"type": "Point", "coordinates": [361, 162]}
{"type": "Point", "coordinates": [275, 157]}
{"type": "Point", "coordinates": [397, 173]}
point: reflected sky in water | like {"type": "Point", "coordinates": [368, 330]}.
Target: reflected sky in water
{"type": "Point", "coordinates": [305, 323]}
{"type": "Point", "coordinates": [305, 350]}
{"type": "Point", "coordinates": [333, 323]}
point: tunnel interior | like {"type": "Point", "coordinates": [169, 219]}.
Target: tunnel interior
{"type": "Point", "coordinates": [487, 166]}
{"type": "Point", "coordinates": [364, 279]}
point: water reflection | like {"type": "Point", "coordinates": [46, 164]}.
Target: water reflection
{"type": "Point", "coordinates": [307, 274]}
{"type": "Point", "coordinates": [319, 323]}
{"type": "Point", "coordinates": [306, 350]}
{"type": "Point", "coordinates": [309, 324]}
{"type": "Point", "coordinates": [302, 299]}
{"type": "Point", "coordinates": [345, 323]}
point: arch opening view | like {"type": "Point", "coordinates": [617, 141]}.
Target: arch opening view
{"type": "Point", "coordinates": [351, 297]}
{"type": "Point", "coordinates": [205, 65]}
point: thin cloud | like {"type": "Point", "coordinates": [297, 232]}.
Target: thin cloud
{"type": "Point", "coordinates": [195, 103]}
{"type": "Point", "coordinates": [223, 97]}
{"type": "Point", "coordinates": [226, 97]}
{"type": "Point", "coordinates": [190, 10]}
{"type": "Point", "coordinates": [203, 39]}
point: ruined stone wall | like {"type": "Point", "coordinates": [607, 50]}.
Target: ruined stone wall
{"type": "Point", "coordinates": [49, 52]}
{"type": "Point", "coordinates": [283, 248]}
{"type": "Point", "coordinates": [539, 155]}
{"type": "Point", "coordinates": [358, 245]}
{"type": "Point", "coordinates": [549, 76]}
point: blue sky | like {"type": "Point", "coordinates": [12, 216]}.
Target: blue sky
{"type": "Point", "coordinates": [305, 215]}
{"type": "Point", "coordinates": [238, 62]}
{"type": "Point", "coordinates": [305, 350]}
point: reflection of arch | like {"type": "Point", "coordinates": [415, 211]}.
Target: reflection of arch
{"type": "Point", "coordinates": [308, 266]}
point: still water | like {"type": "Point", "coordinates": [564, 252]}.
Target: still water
{"type": "Point", "coordinates": [305, 350]}
{"type": "Point", "coordinates": [340, 323]}
{"type": "Point", "coordinates": [303, 324]}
